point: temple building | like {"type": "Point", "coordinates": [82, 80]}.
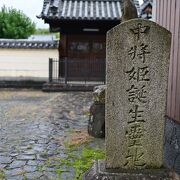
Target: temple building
{"type": "Point", "coordinates": [82, 25]}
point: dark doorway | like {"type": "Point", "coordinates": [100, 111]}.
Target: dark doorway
{"type": "Point", "coordinates": [85, 57]}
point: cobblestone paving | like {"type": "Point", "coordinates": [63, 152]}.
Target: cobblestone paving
{"type": "Point", "coordinates": [31, 124]}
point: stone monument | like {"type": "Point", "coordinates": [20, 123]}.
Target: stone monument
{"type": "Point", "coordinates": [96, 123]}
{"type": "Point", "coordinates": [138, 53]}
{"type": "Point", "coordinates": [129, 10]}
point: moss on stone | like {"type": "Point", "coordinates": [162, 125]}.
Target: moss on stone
{"type": "Point", "coordinates": [77, 160]}
{"type": "Point", "coordinates": [2, 174]}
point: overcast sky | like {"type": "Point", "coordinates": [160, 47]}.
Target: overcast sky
{"type": "Point", "coordinates": [31, 8]}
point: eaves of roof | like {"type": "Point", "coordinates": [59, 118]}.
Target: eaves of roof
{"type": "Point", "coordinates": [83, 9]}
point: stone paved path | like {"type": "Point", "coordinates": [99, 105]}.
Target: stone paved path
{"type": "Point", "coordinates": [31, 126]}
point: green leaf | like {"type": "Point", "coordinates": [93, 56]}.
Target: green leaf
{"type": "Point", "coordinates": [15, 24]}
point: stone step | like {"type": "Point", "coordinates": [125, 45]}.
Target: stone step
{"type": "Point", "coordinates": [58, 87]}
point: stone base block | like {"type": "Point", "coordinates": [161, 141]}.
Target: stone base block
{"type": "Point", "coordinates": [99, 172]}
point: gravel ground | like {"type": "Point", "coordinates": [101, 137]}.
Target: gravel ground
{"type": "Point", "coordinates": [33, 123]}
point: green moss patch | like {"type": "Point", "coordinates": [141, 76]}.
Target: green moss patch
{"type": "Point", "coordinates": [2, 175]}
{"type": "Point", "coordinates": [76, 160]}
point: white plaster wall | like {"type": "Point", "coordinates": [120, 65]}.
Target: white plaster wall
{"type": "Point", "coordinates": [25, 64]}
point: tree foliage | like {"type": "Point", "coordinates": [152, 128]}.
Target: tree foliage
{"type": "Point", "coordinates": [42, 31]}
{"type": "Point", "coordinates": [14, 24]}
{"type": "Point", "coordinates": [46, 31]}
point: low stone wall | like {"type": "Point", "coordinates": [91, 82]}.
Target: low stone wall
{"type": "Point", "coordinates": [172, 145]}
{"type": "Point", "coordinates": [22, 84]}
{"type": "Point", "coordinates": [61, 87]}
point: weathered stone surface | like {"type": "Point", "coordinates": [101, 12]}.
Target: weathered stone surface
{"type": "Point", "coordinates": [172, 145]}
{"type": "Point", "coordinates": [30, 168]}
{"type": "Point", "coordinates": [38, 147]}
{"type": "Point", "coordinates": [96, 124]}
{"type": "Point", "coordinates": [99, 94]}
{"type": "Point", "coordinates": [29, 152]}
{"type": "Point", "coordinates": [20, 177]}
{"type": "Point", "coordinates": [129, 10]}
{"type": "Point", "coordinates": [50, 175]}
{"type": "Point", "coordinates": [14, 172]}
{"type": "Point", "coordinates": [2, 166]}
{"type": "Point", "coordinates": [34, 175]}
{"type": "Point", "coordinates": [137, 71]}
{"type": "Point", "coordinates": [17, 164]}
{"type": "Point", "coordinates": [34, 162]}
{"type": "Point", "coordinates": [26, 157]}
{"type": "Point", "coordinates": [5, 160]}
{"type": "Point", "coordinates": [98, 171]}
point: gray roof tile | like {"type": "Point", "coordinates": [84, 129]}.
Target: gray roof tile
{"type": "Point", "coordinates": [26, 44]}
{"type": "Point", "coordinates": [83, 9]}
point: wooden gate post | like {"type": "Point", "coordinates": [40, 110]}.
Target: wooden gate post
{"type": "Point", "coordinates": [66, 70]}
{"type": "Point", "coordinates": [50, 69]}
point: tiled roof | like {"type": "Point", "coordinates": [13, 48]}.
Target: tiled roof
{"type": "Point", "coordinates": [83, 9]}
{"type": "Point", "coordinates": [143, 7]}
{"type": "Point", "coordinates": [145, 4]}
{"type": "Point", "coordinates": [26, 44]}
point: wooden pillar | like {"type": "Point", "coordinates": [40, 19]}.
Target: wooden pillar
{"type": "Point", "coordinates": [62, 54]}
